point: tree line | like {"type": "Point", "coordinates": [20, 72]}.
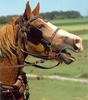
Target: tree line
{"type": "Point", "coordinates": [49, 15]}
{"type": "Point", "coordinates": [4, 19]}
{"type": "Point", "coordinates": [61, 14]}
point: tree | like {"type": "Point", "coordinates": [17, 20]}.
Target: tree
{"type": "Point", "coordinates": [61, 14]}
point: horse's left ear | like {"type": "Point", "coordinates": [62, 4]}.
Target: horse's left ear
{"type": "Point", "coordinates": [27, 14]}
{"type": "Point", "coordinates": [36, 10]}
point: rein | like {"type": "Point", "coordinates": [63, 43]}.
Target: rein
{"type": "Point", "coordinates": [34, 64]}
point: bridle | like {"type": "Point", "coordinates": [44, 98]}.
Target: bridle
{"type": "Point", "coordinates": [46, 42]}
{"type": "Point", "coordinates": [49, 47]}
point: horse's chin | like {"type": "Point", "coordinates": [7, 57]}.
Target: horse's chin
{"type": "Point", "coordinates": [65, 57]}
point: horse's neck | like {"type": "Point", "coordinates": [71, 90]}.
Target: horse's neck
{"type": "Point", "coordinates": [15, 59]}
{"type": "Point", "coordinates": [8, 63]}
{"type": "Point", "coordinates": [9, 69]}
{"type": "Point", "coordinates": [8, 72]}
{"type": "Point", "coordinates": [4, 61]}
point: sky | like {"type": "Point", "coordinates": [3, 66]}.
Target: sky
{"type": "Point", "coordinates": [17, 7]}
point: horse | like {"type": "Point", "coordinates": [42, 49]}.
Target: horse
{"type": "Point", "coordinates": [30, 34]}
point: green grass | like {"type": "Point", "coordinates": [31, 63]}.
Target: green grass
{"type": "Point", "coordinates": [1, 25]}
{"type": "Point", "coordinates": [57, 90]}
{"type": "Point", "coordinates": [75, 27]}
{"type": "Point", "coordinates": [73, 21]}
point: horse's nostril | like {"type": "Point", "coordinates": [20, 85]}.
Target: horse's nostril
{"type": "Point", "coordinates": [78, 45]}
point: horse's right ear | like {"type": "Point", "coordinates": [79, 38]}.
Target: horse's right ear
{"type": "Point", "coordinates": [36, 10]}
{"type": "Point", "coordinates": [28, 13]}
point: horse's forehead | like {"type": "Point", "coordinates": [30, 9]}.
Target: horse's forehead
{"type": "Point", "coordinates": [46, 23]}
{"type": "Point", "coordinates": [38, 22]}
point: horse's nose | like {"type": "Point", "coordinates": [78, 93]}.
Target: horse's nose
{"type": "Point", "coordinates": [78, 44]}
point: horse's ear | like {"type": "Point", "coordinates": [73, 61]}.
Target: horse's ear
{"type": "Point", "coordinates": [36, 10]}
{"type": "Point", "coordinates": [27, 14]}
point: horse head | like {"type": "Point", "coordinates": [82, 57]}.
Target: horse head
{"type": "Point", "coordinates": [45, 40]}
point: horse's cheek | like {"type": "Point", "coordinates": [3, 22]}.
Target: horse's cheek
{"type": "Point", "coordinates": [40, 48]}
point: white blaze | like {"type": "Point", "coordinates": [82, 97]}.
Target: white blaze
{"type": "Point", "coordinates": [63, 33]}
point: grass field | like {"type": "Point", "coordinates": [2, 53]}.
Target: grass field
{"type": "Point", "coordinates": [73, 21]}
{"type": "Point", "coordinates": [75, 27]}
{"type": "Point", "coordinates": [57, 90]}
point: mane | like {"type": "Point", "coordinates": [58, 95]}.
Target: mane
{"type": "Point", "coordinates": [7, 38]}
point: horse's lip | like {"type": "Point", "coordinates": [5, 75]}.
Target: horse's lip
{"type": "Point", "coordinates": [65, 56]}
{"type": "Point", "coordinates": [68, 58]}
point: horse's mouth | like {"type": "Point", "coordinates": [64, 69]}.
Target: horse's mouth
{"type": "Point", "coordinates": [65, 56]}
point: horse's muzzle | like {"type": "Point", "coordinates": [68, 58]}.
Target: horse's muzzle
{"type": "Point", "coordinates": [78, 45]}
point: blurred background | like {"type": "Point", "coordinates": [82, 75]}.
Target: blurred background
{"type": "Point", "coordinates": [71, 15]}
